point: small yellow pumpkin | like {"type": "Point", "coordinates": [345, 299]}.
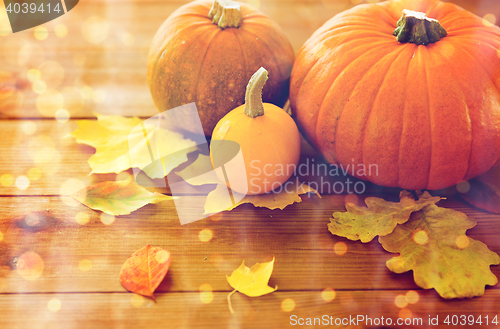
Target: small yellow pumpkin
{"type": "Point", "coordinates": [268, 137]}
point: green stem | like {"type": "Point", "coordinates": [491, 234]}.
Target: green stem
{"type": "Point", "coordinates": [225, 13]}
{"type": "Point", "coordinates": [415, 27]}
{"type": "Point", "coordinates": [253, 96]}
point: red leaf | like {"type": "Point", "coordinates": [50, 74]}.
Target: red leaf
{"type": "Point", "coordinates": [143, 272]}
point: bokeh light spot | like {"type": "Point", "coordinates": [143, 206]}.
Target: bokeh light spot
{"type": "Point", "coordinates": [99, 96]}
{"type": "Point", "coordinates": [70, 186]}
{"type": "Point", "coordinates": [62, 116]}
{"type": "Point", "coordinates": [137, 300]}
{"type": "Point", "coordinates": [162, 256]}
{"type": "Point", "coordinates": [462, 241]}
{"type": "Point", "coordinates": [107, 219]}
{"type": "Point", "coordinates": [49, 102]}
{"type": "Point", "coordinates": [420, 237]}
{"type": "Point", "coordinates": [95, 29]}
{"type": "Point", "coordinates": [39, 86]}
{"type": "Point", "coordinates": [412, 297]}
{"type": "Point", "coordinates": [328, 294]}
{"type": "Point", "coordinates": [82, 218]}
{"type": "Point", "coordinates": [128, 39]}
{"type": "Point", "coordinates": [54, 305]}
{"type": "Point", "coordinates": [463, 187]}
{"type": "Point", "coordinates": [205, 235]}
{"type": "Point", "coordinates": [401, 301]}
{"type": "Point", "coordinates": [288, 305]}
{"type": "Point", "coordinates": [29, 127]}
{"type": "Point", "coordinates": [22, 182]}
{"type": "Point", "coordinates": [206, 293]}
{"type": "Point", "coordinates": [85, 265]}
{"type": "Point", "coordinates": [34, 174]}
{"type": "Point", "coordinates": [61, 30]}
{"type": "Point", "coordinates": [33, 75]}
{"type": "Point", "coordinates": [405, 313]}
{"type": "Point", "coordinates": [7, 180]}
{"type": "Point", "coordinates": [41, 33]}
{"type": "Point", "coordinates": [340, 248]}
{"type": "Point", "coordinates": [30, 266]}
{"type": "Point", "coordinates": [52, 73]}
{"type": "Point", "coordinates": [352, 198]}
{"type": "Point", "coordinates": [489, 19]}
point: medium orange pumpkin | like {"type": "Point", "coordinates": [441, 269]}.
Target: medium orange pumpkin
{"type": "Point", "coordinates": [268, 137]}
{"type": "Point", "coordinates": [423, 106]}
{"type": "Point", "coordinates": [206, 52]}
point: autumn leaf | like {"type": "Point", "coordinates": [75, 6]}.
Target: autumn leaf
{"type": "Point", "coordinates": [380, 217]}
{"type": "Point", "coordinates": [122, 143]}
{"type": "Point", "coordinates": [484, 191]}
{"type": "Point", "coordinates": [434, 246]}
{"type": "Point", "coordinates": [143, 272]}
{"type": "Point", "coordinates": [117, 197]}
{"type": "Point", "coordinates": [252, 282]}
{"type": "Point", "coordinates": [220, 200]}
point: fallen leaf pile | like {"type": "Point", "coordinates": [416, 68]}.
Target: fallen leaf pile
{"type": "Point", "coordinates": [143, 272]}
{"type": "Point", "coordinates": [252, 282]}
{"type": "Point", "coordinates": [431, 241]}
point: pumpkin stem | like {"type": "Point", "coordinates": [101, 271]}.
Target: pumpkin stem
{"type": "Point", "coordinates": [415, 27]}
{"type": "Point", "coordinates": [253, 96]}
{"type": "Point", "coordinates": [225, 13]}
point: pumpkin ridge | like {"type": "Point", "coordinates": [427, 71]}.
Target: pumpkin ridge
{"type": "Point", "coordinates": [427, 88]}
{"type": "Point", "coordinates": [400, 147]}
{"type": "Point", "coordinates": [269, 50]}
{"type": "Point", "coordinates": [309, 72]}
{"type": "Point", "coordinates": [244, 59]}
{"type": "Point", "coordinates": [370, 112]}
{"type": "Point", "coordinates": [490, 78]}
{"type": "Point", "coordinates": [348, 66]}
{"type": "Point", "coordinates": [454, 74]}
{"type": "Point", "coordinates": [493, 83]}
{"type": "Point", "coordinates": [209, 44]}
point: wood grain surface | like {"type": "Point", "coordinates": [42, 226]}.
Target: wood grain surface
{"type": "Point", "coordinates": [105, 71]}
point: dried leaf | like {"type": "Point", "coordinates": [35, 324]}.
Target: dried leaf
{"type": "Point", "coordinates": [220, 200]}
{"type": "Point", "coordinates": [113, 135]}
{"type": "Point", "coordinates": [379, 218]}
{"type": "Point", "coordinates": [117, 198]}
{"type": "Point", "coordinates": [143, 272]}
{"type": "Point", "coordinates": [484, 191]}
{"type": "Point", "coordinates": [252, 282]}
{"type": "Point", "coordinates": [433, 244]}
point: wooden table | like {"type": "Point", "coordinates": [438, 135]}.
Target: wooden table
{"type": "Point", "coordinates": [79, 286]}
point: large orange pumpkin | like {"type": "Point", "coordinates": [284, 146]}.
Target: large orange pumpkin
{"type": "Point", "coordinates": [206, 52]}
{"type": "Point", "coordinates": [422, 106]}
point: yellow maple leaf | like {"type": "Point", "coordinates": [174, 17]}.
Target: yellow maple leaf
{"type": "Point", "coordinates": [380, 217]}
{"type": "Point", "coordinates": [252, 282]}
{"type": "Point", "coordinates": [434, 246]}
{"type": "Point", "coordinates": [122, 143]}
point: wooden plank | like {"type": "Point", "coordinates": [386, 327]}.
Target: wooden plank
{"type": "Point", "coordinates": [186, 310]}
{"type": "Point", "coordinates": [297, 237]}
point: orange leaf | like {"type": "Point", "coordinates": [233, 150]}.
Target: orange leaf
{"type": "Point", "coordinates": [143, 272]}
